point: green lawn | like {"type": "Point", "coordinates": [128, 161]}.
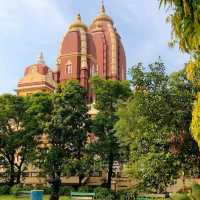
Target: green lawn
{"type": "Point", "coordinates": [10, 197]}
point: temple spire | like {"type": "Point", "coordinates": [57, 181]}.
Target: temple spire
{"type": "Point", "coordinates": [40, 59]}
{"type": "Point", "coordinates": [102, 8]}
{"type": "Point", "coordinates": [78, 17]}
{"type": "Point", "coordinates": [77, 23]}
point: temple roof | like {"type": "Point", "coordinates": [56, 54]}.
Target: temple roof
{"type": "Point", "coordinates": [39, 66]}
{"type": "Point", "coordinates": [102, 15]}
{"type": "Point", "coordinates": [77, 23]}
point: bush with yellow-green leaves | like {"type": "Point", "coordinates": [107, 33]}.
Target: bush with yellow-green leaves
{"type": "Point", "coordinates": [193, 195]}
{"type": "Point", "coordinates": [195, 125]}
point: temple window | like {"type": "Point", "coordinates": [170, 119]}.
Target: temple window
{"type": "Point", "coordinates": [69, 67]}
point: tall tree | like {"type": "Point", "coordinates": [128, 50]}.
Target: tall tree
{"type": "Point", "coordinates": [18, 130]}
{"type": "Point", "coordinates": [185, 21]}
{"type": "Point", "coordinates": [109, 94]}
{"type": "Point", "coordinates": [67, 129]}
{"type": "Point", "coordinates": [154, 124]}
{"type": "Point", "coordinates": [183, 95]}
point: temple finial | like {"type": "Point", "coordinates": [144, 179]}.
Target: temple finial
{"type": "Point", "coordinates": [102, 8]}
{"type": "Point", "coordinates": [78, 17]}
{"type": "Point", "coordinates": [40, 59]}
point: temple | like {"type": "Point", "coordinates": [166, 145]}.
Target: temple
{"type": "Point", "coordinates": [84, 51]}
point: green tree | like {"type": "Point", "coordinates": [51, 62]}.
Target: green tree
{"type": "Point", "coordinates": [18, 128]}
{"type": "Point", "coordinates": [183, 94]}
{"type": "Point", "coordinates": [154, 125]}
{"type": "Point", "coordinates": [109, 94]}
{"type": "Point", "coordinates": [185, 21]}
{"type": "Point", "coordinates": [67, 130]}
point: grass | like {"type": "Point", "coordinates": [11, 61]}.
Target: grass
{"type": "Point", "coordinates": [11, 197]}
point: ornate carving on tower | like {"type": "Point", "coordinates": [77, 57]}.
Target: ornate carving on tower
{"type": "Point", "coordinates": [114, 52]}
{"type": "Point", "coordinates": [104, 32]}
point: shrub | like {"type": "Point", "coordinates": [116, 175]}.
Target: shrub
{"type": "Point", "coordinates": [126, 194]}
{"type": "Point", "coordinates": [19, 187]}
{"type": "Point", "coordinates": [27, 188]}
{"type": "Point", "coordinates": [15, 189]}
{"type": "Point", "coordinates": [47, 190]}
{"type": "Point", "coordinates": [179, 196]}
{"type": "Point", "coordinates": [4, 189]}
{"type": "Point", "coordinates": [85, 189]}
{"type": "Point", "coordinates": [104, 194]}
{"type": "Point", "coordinates": [65, 190]}
{"type": "Point", "coordinates": [196, 192]}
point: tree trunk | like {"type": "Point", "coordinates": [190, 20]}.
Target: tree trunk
{"type": "Point", "coordinates": [11, 175]}
{"type": "Point", "coordinates": [110, 171]}
{"type": "Point", "coordinates": [55, 185]}
{"type": "Point", "coordinates": [18, 176]}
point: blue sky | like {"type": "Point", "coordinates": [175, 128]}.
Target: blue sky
{"type": "Point", "coordinates": [28, 27]}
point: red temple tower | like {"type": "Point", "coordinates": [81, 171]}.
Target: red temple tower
{"type": "Point", "coordinates": [84, 52]}
{"type": "Point", "coordinates": [94, 50]}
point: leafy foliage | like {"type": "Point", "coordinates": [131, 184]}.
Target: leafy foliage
{"type": "Point", "coordinates": [4, 189]}
{"type": "Point", "coordinates": [67, 130]}
{"type": "Point", "coordinates": [185, 21]}
{"type": "Point", "coordinates": [196, 192]}
{"type": "Point", "coordinates": [154, 126]}
{"type": "Point", "coordinates": [18, 130]}
{"type": "Point", "coordinates": [180, 197]}
{"type": "Point", "coordinates": [109, 94]}
{"type": "Point", "coordinates": [103, 194]}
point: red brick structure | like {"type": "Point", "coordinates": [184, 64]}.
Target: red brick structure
{"type": "Point", "coordinates": [84, 52]}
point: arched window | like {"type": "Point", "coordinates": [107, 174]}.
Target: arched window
{"type": "Point", "coordinates": [69, 67]}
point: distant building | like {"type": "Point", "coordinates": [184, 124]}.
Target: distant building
{"type": "Point", "coordinates": [84, 52]}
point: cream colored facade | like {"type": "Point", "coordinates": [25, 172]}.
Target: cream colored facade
{"type": "Point", "coordinates": [37, 78]}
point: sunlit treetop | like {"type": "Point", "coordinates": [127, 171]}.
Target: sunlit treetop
{"type": "Point", "coordinates": [185, 22]}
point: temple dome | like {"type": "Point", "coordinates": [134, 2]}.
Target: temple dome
{"type": "Point", "coordinates": [77, 24]}
{"type": "Point", "coordinates": [70, 43]}
{"type": "Point", "coordinates": [102, 17]}
{"type": "Point", "coordinates": [110, 54]}
{"type": "Point", "coordinates": [39, 66]}
{"type": "Point", "coordinates": [37, 78]}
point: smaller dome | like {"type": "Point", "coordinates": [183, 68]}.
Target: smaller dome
{"type": "Point", "coordinates": [37, 78]}
{"type": "Point", "coordinates": [39, 66]}
{"type": "Point", "coordinates": [77, 23]}
{"type": "Point", "coordinates": [102, 15]}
